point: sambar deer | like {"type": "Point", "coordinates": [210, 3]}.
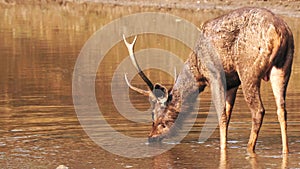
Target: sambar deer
{"type": "Point", "coordinates": [252, 44]}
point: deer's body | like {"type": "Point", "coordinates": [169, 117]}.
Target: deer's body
{"type": "Point", "coordinates": [253, 44]}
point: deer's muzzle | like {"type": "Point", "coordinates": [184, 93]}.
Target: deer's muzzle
{"type": "Point", "coordinates": [155, 139]}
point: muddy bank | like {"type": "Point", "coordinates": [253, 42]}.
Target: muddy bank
{"type": "Point", "coordinates": [289, 8]}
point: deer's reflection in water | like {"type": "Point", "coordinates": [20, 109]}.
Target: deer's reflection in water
{"type": "Point", "coordinates": [255, 161]}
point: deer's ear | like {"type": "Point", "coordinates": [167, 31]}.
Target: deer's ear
{"type": "Point", "coordinates": [161, 93]}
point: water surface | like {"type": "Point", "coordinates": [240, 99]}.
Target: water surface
{"type": "Point", "coordinates": [38, 124]}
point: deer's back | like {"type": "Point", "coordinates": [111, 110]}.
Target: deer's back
{"type": "Point", "coordinates": [248, 39]}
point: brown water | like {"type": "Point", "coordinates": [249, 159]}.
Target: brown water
{"type": "Point", "coordinates": [38, 124]}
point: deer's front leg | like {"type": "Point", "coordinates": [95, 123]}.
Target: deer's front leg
{"type": "Point", "coordinates": [223, 130]}
{"type": "Point", "coordinates": [225, 118]}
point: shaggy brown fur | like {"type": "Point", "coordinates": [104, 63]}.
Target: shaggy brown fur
{"type": "Point", "coordinates": [252, 44]}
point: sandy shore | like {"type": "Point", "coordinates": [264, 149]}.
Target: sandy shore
{"type": "Point", "coordinates": [284, 7]}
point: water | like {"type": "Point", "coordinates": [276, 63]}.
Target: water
{"type": "Point", "coordinates": [38, 124]}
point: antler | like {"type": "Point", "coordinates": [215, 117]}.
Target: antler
{"type": "Point", "coordinates": [144, 92]}
{"type": "Point", "coordinates": [134, 62]}
{"type": "Point", "coordinates": [158, 93]}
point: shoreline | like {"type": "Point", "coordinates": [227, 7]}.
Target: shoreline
{"type": "Point", "coordinates": [287, 7]}
{"type": "Point", "coordinates": [290, 8]}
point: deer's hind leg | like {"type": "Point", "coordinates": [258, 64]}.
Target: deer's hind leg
{"type": "Point", "coordinates": [279, 78]}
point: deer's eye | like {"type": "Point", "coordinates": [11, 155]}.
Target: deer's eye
{"type": "Point", "coordinates": [162, 125]}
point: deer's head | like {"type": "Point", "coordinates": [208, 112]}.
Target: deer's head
{"type": "Point", "coordinates": [160, 98]}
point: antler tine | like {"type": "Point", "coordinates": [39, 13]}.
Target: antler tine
{"type": "Point", "coordinates": [144, 92]}
{"type": "Point", "coordinates": [129, 45]}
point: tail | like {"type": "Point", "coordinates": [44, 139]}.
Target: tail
{"type": "Point", "coordinates": [287, 54]}
{"type": "Point", "coordinates": [283, 58]}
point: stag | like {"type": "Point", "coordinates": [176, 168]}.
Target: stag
{"type": "Point", "coordinates": [253, 44]}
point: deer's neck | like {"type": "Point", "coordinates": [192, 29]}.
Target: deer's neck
{"type": "Point", "coordinates": [189, 84]}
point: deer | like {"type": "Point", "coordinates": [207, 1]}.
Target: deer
{"type": "Point", "coordinates": [253, 44]}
